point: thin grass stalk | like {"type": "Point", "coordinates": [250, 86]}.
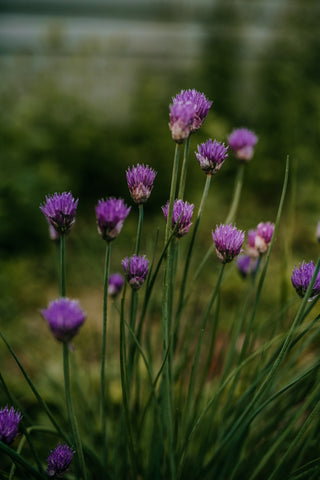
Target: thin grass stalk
{"type": "Point", "coordinates": [103, 353]}
{"type": "Point", "coordinates": [184, 169]}
{"type": "Point", "coordinates": [139, 231]}
{"type": "Point", "coordinates": [195, 364]}
{"type": "Point", "coordinates": [167, 390]}
{"type": "Point", "coordinates": [125, 387]}
{"type": "Point", "coordinates": [188, 257]}
{"type": "Point", "coordinates": [66, 372]}
{"type": "Point", "coordinates": [35, 392]}
{"type": "Point", "coordinates": [237, 193]}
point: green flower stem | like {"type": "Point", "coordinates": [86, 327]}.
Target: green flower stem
{"type": "Point", "coordinates": [237, 193]}
{"type": "Point", "coordinates": [62, 265]}
{"type": "Point", "coordinates": [125, 387]}
{"type": "Point", "coordinates": [140, 223]}
{"type": "Point", "coordinates": [184, 169]}
{"type": "Point", "coordinates": [103, 351]}
{"type": "Point", "coordinates": [181, 301]}
{"type": "Point", "coordinates": [71, 413]}
{"type": "Point", "coordinates": [167, 390]}
{"type": "Point", "coordinates": [195, 364]}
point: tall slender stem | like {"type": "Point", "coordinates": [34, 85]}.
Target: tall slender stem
{"type": "Point", "coordinates": [103, 351]}
{"type": "Point", "coordinates": [184, 169]}
{"type": "Point", "coordinates": [71, 412]}
{"type": "Point", "coordinates": [62, 266]}
{"type": "Point", "coordinates": [166, 320]}
{"type": "Point", "coordinates": [140, 223]}
{"type": "Point", "coordinates": [237, 193]}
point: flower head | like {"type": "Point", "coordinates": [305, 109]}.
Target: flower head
{"type": "Point", "coordinates": [111, 213]}
{"type": "Point", "coordinates": [246, 265]}
{"type": "Point", "coordinates": [116, 282]}
{"type": "Point", "coordinates": [263, 236]}
{"type": "Point", "coordinates": [211, 156]}
{"type": "Point", "coordinates": [140, 182]}
{"type": "Point", "coordinates": [135, 270]}
{"type": "Point", "coordinates": [64, 317]}
{"type": "Point", "coordinates": [228, 242]}
{"type": "Point", "coordinates": [60, 211]}
{"type": "Point", "coordinates": [9, 421]}
{"type": "Point", "coordinates": [59, 460]}
{"type": "Point", "coordinates": [181, 216]}
{"type": "Point", "coordinates": [201, 106]}
{"type": "Point", "coordinates": [242, 142]}
{"type": "Point", "coordinates": [181, 118]}
{"type": "Point", "coordinates": [301, 278]}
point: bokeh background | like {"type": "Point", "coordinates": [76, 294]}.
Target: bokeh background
{"type": "Point", "coordinates": [85, 88]}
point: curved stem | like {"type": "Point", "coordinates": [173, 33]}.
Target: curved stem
{"type": "Point", "coordinates": [103, 351]}
{"type": "Point", "coordinates": [237, 192]}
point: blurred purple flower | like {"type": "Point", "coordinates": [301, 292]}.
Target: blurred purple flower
{"type": "Point", "coordinates": [201, 106]}
{"type": "Point", "coordinates": [211, 156]}
{"type": "Point", "coordinates": [60, 211]}
{"type": "Point", "coordinates": [181, 216]}
{"type": "Point", "coordinates": [111, 214]}
{"type": "Point", "coordinates": [9, 422]}
{"type": "Point", "coordinates": [116, 282]}
{"type": "Point", "coordinates": [301, 278]}
{"type": "Point", "coordinates": [59, 460]}
{"type": "Point", "coordinates": [228, 242]}
{"type": "Point", "coordinates": [242, 142]}
{"type": "Point", "coordinates": [140, 182]}
{"type": "Point", "coordinates": [246, 265]}
{"type": "Point", "coordinates": [136, 270]}
{"type": "Point", "coordinates": [263, 237]}
{"type": "Point", "coordinates": [64, 317]}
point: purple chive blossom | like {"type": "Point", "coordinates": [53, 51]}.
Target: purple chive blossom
{"type": "Point", "coordinates": [181, 118]}
{"type": "Point", "coordinates": [60, 211]}
{"type": "Point", "coordinates": [301, 278]}
{"type": "Point", "coordinates": [136, 270]}
{"type": "Point", "coordinates": [9, 421]}
{"type": "Point", "coordinates": [211, 156]}
{"type": "Point", "coordinates": [181, 216]}
{"type": "Point", "coordinates": [246, 265]}
{"type": "Point", "coordinates": [140, 182]}
{"type": "Point", "coordinates": [116, 282]}
{"type": "Point", "coordinates": [111, 213]}
{"type": "Point", "coordinates": [64, 317]}
{"type": "Point", "coordinates": [201, 106]}
{"type": "Point", "coordinates": [263, 237]}
{"type": "Point", "coordinates": [242, 142]}
{"type": "Point", "coordinates": [59, 460]}
{"type": "Point", "coordinates": [228, 241]}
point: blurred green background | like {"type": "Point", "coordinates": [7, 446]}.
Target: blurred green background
{"type": "Point", "coordinates": [85, 88]}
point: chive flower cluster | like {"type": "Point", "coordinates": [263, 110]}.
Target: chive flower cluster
{"type": "Point", "coordinates": [9, 424]}
{"type": "Point", "coordinates": [140, 180]}
{"type": "Point", "coordinates": [116, 282]}
{"type": "Point", "coordinates": [228, 241]}
{"type": "Point", "coordinates": [181, 217]}
{"type": "Point", "coordinates": [111, 214]}
{"type": "Point", "coordinates": [301, 278]}
{"type": "Point", "coordinates": [60, 211]}
{"type": "Point", "coordinates": [242, 142]}
{"type": "Point", "coordinates": [65, 317]}
{"type": "Point", "coordinates": [211, 156]}
{"type": "Point", "coordinates": [135, 270]}
{"type": "Point", "coordinates": [187, 113]}
{"type": "Point", "coordinates": [59, 460]}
